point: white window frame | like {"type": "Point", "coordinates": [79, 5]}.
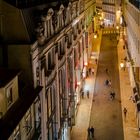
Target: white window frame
{"type": "Point", "coordinates": [9, 95]}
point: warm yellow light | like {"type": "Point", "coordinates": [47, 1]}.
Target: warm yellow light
{"type": "Point", "coordinates": [85, 63]}
{"type": "Point", "coordinates": [78, 83]}
{"type": "Point", "coordinates": [95, 36]}
{"type": "Point", "coordinates": [121, 65]}
{"type": "Point", "coordinates": [117, 27]}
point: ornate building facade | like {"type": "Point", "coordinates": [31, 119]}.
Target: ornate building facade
{"type": "Point", "coordinates": [58, 58]}
{"type": "Point", "coordinates": [131, 36]}
{"type": "Point", "coordinates": [51, 48]}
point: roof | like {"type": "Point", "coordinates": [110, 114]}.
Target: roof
{"type": "Point", "coordinates": [14, 115]}
{"type": "Point", "coordinates": [6, 75]}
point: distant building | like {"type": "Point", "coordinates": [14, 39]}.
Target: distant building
{"type": "Point", "coordinates": [111, 10]}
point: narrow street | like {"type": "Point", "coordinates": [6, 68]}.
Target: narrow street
{"type": "Point", "coordinates": [106, 114]}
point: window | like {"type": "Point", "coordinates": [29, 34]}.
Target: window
{"type": "Point", "coordinates": [9, 95]}
{"type": "Point", "coordinates": [17, 135]}
{"type": "Point", "coordinates": [49, 103]}
{"type": "Point", "coordinates": [37, 72]}
{"type": "Point", "coordinates": [37, 104]}
{"type": "Point", "coordinates": [28, 122]}
{"type": "Point", "coordinates": [51, 59]}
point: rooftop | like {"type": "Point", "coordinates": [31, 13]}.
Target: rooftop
{"type": "Point", "coordinates": [6, 75]}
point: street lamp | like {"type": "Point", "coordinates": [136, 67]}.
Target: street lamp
{"type": "Point", "coordinates": [117, 27]}
{"type": "Point", "coordinates": [121, 65]}
{"type": "Point", "coordinates": [95, 35]}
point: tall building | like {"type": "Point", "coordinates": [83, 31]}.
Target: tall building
{"type": "Point", "coordinates": [131, 37]}
{"type": "Point", "coordinates": [49, 43]}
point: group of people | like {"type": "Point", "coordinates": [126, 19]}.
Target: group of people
{"type": "Point", "coordinates": [90, 71]}
{"type": "Point", "coordinates": [108, 83]}
{"type": "Point", "coordinates": [91, 132]}
{"type": "Point", "coordinates": [82, 93]}
{"type": "Point", "coordinates": [112, 95]}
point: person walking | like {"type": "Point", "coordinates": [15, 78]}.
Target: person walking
{"type": "Point", "coordinates": [106, 70]}
{"type": "Point", "coordinates": [88, 132]}
{"type": "Point", "coordinates": [112, 95]}
{"type": "Point", "coordinates": [87, 93]}
{"type": "Point", "coordinates": [107, 82]}
{"type": "Point", "coordinates": [96, 61]}
{"type": "Point", "coordinates": [92, 71]}
{"type": "Point", "coordinates": [89, 71]}
{"type": "Point", "coordinates": [82, 94]}
{"type": "Point", "coordinates": [125, 112]}
{"type": "Point", "coordinates": [92, 131]}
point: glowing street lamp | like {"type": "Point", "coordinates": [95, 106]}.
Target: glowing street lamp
{"type": "Point", "coordinates": [85, 63]}
{"type": "Point", "coordinates": [117, 27]}
{"type": "Point", "coordinates": [95, 35]}
{"type": "Point", "coordinates": [122, 65]}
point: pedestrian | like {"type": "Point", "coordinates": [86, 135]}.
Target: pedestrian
{"type": "Point", "coordinates": [132, 99]}
{"type": "Point", "coordinates": [112, 95]}
{"type": "Point", "coordinates": [92, 131]}
{"type": "Point", "coordinates": [125, 59]}
{"type": "Point", "coordinates": [106, 71]}
{"type": "Point", "coordinates": [92, 71]}
{"type": "Point", "coordinates": [96, 61]}
{"type": "Point", "coordinates": [89, 71]}
{"type": "Point", "coordinates": [125, 111]}
{"type": "Point", "coordinates": [107, 82]}
{"type": "Point", "coordinates": [88, 131]}
{"type": "Point", "coordinates": [87, 93]}
{"type": "Point", "coordinates": [82, 94]}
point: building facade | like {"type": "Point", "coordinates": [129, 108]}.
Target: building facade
{"type": "Point", "coordinates": [52, 45]}
{"type": "Point", "coordinates": [131, 36]}
{"type": "Point", "coordinates": [20, 118]}
{"type": "Point", "coordinates": [59, 56]}
{"type": "Point", "coordinates": [111, 12]}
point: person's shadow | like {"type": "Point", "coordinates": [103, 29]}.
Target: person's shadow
{"type": "Point", "coordinates": [90, 138]}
